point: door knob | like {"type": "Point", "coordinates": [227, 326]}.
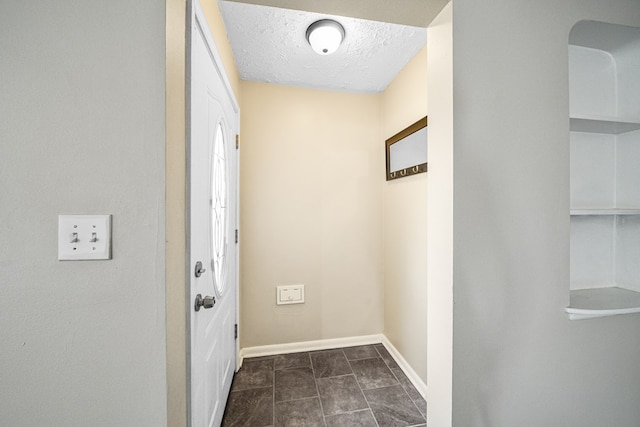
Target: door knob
{"type": "Point", "coordinates": [199, 270]}
{"type": "Point", "coordinates": [206, 302]}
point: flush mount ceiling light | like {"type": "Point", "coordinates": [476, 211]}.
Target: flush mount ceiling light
{"type": "Point", "coordinates": [325, 36]}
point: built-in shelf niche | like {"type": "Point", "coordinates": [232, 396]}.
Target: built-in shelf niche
{"type": "Point", "coordinates": [604, 87]}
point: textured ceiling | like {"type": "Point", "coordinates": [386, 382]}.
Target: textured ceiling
{"type": "Point", "coordinates": [269, 45]}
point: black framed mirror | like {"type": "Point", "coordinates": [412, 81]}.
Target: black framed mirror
{"type": "Point", "coordinates": [406, 151]}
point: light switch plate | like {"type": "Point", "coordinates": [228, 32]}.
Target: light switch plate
{"type": "Point", "coordinates": [84, 237]}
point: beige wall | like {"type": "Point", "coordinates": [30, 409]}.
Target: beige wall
{"type": "Point", "coordinates": [175, 222]}
{"type": "Point", "coordinates": [177, 279]}
{"type": "Point", "coordinates": [312, 165]}
{"type": "Point", "coordinates": [405, 227]}
{"type": "Point", "coordinates": [311, 213]}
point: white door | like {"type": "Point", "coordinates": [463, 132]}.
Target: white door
{"type": "Point", "coordinates": [213, 219]}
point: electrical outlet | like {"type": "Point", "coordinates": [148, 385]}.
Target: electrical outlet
{"type": "Point", "coordinates": [293, 294]}
{"type": "Point", "coordinates": [84, 237]}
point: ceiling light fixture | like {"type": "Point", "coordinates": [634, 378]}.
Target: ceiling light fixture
{"type": "Point", "coordinates": [325, 36]}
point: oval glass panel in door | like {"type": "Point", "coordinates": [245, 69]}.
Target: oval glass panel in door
{"type": "Point", "coordinates": [219, 212]}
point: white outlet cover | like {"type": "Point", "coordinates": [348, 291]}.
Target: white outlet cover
{"type": "Point", "coordinates": [75, 235]}
{"type": "Point", "coordinates": [291, 294]}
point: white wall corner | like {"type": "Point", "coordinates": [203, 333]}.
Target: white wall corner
{"type": "Point", "coordinates": [404, 365]}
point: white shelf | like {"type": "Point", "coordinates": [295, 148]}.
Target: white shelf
{"type": "Point", "coordinates": [605, 211]}
{"type": "Point", "coordinates": [604, 169]}
{"type": "Point", "coordinates": [602, 302]}
{"type": "Point", "coordinates": [602, 125]}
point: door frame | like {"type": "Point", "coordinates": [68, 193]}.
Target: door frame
{"type": "Point", "coordinates": [196, 20]}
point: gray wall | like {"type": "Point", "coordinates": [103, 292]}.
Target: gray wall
{"type": "Point", "coordinates": [518, 360]}
{"type": "Point", "coordinates": [82, 132]}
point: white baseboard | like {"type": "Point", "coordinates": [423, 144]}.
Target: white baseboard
{"type": "Point", "coordinates": [408, 370]}
{"type": "Point", "coordinates": [297, 347]}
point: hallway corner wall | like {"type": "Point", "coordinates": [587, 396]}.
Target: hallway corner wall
{"type": "Point", "coordinates": [404, 222]}
{"type": "Point", "coordinates": [440, 220]}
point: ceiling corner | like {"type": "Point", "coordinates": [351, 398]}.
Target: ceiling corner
{"type": "Point", "coordinates": [415, 13]}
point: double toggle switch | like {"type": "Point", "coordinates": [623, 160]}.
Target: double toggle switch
{"type": "Point", "coordinates": [84, 237]}
{"type": "Point", "coordinates": [93, 239]}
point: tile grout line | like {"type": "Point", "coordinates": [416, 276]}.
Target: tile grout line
{"type": "Point", "coordinates": [315, 381]}
{"type": "Point", "coordinates": [375, 420]}
{"type": "Point", "coordinates": [401, 385]}
{"type": "Point", "coordinates": [273, 394]}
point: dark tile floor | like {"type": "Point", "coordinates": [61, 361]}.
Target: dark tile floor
{"type": "Point", "coordinates": [353, 386]}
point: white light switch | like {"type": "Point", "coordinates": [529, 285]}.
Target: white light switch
{"type": "Point", "coordinates": [84, 237]}
{"type": "Point", "coordinates": [293, 294]}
